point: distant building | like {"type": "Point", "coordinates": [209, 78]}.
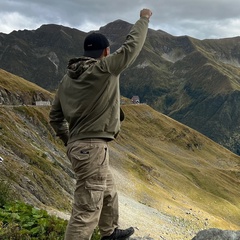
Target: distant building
{"type": "Point", "coordinates": [135, 100]}
{"type": "Point", "coordinates": [43, 103]}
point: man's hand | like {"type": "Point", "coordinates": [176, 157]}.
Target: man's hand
{"type": "Point", "coordinates": [146, 13]}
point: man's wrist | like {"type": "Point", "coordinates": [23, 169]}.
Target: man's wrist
{"type": "Point", "coordinates": [145, 17]}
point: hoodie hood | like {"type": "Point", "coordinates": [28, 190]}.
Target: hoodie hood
{"type": "Point", "coordinates": [77, 66]}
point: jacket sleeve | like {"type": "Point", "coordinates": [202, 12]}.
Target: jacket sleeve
{"type": "Point", "coordinates": [57, 120]}
{"type": "Point", "coordinates": [128, 52]}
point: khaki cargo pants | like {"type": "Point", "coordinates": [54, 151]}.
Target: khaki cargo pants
{"type": "Point", "coordinates": [95, 197]}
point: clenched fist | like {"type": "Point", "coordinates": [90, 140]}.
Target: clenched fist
{"type": "Point", "coordinates": [146, 13]}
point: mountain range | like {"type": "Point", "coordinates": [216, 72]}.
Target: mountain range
{"type": "Point", "coordinates": [195, 82]}
{"type": "Point", "coordinates": [172, 180]}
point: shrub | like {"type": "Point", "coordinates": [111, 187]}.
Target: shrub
{"type": "Point", "coordinates": [20, 221]}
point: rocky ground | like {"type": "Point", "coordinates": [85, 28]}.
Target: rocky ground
{"type": "Point", "coordinates": [150, 224]}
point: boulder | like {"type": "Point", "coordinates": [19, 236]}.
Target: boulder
{"type": "Point", "coordinates": [217, 234]}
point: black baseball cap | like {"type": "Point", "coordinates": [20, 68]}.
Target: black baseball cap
{"type": "Point", "coordinates": [94, 44]}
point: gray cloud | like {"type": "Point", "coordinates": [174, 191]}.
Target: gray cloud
{"type": "Point", "coordinates": [200, 18]}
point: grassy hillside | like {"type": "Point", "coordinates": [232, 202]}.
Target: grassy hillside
{"type": "Point", "coordinates": [174, 168]}
{"type": "Point", "coordinates": [187, 181]}
{"type": "Point", "coordinates": [18, 91]}
{"type": "Point", "coordinates": [14, 84]}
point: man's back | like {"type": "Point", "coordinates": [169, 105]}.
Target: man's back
{"type": "Point", "coordinates": [89, 93]}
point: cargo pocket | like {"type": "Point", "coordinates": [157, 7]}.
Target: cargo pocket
{"type": "Point", "coordinates": [103, 156]}
{"type": "Point", "coordinates": [94, 195]}
{"type": "Point", "coordinates": [80, 158]}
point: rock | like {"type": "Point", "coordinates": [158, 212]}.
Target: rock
{"type": "Point", "coordinates": [217, 234]}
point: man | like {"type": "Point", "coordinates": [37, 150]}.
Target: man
{"type": "Point", "coordinates": [86, 115]}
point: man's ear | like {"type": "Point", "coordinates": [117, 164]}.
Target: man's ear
{"type": "Point", "coordinates": [106, 51]}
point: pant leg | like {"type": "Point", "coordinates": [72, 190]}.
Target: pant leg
{"type": "Point", "coordinates": [90, 163]}
{"type": "Point", "coordinates": [110, 212]}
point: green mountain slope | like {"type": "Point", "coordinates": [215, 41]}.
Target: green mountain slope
{"type": "Point", "coordinates": [188, 180]}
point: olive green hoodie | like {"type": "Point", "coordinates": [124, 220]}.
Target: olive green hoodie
{"type": "Point", "coordinates": [87, 102]}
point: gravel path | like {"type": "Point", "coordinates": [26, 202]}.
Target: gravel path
{"type": "Point", "coordinates": [148, 222]}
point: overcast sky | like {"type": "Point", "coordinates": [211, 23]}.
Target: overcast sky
{"type": "Point", "coordinates": [196, 18]}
